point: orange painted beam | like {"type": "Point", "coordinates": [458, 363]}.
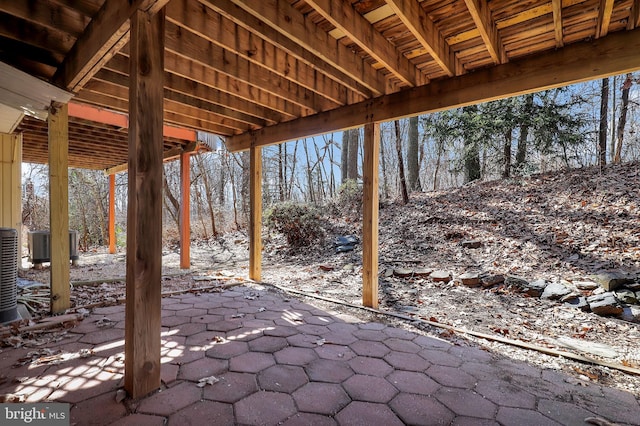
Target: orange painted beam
{"type": "Point", "coordinates": [105, 116]}
{"type": "Point", "coordinates": [185, 211]}
{"type": "Point", "coordinates": [112, 214]}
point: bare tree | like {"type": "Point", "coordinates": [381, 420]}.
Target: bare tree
{"type": "Point", "coordinates": [403, 182]}
{"type": "Point", "coordinates": [602, 132]}
{"type": "Point", "coordinates": [413, 160]}
{"type": "Point", "coordinates": [622, 122]}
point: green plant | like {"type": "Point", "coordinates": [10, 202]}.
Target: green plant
{"type": "Point", "coordinates": [299, 223]}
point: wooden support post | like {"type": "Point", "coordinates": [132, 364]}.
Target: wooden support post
{"type": "Point", "coordinates": [59, 207]}
{"type": "Point", "coordinates": [144, 215]}
{"type": "Point", "coordinates": [112, 213]}
{"type": "Point", "coordinates": [370, 216]}
{"type": "Point", "coordinates": [255, 221]}
{"type": "Point", "coordinates": [185, 211]}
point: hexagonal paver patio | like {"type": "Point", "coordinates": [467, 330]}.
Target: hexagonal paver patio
{"type": "Point", "coordinates": [281, 361]}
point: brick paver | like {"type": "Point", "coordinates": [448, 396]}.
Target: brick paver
{"type": "Point", "coordinates": [280, 361]}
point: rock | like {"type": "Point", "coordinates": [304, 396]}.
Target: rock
{"type": "Point", "coordinates": [515, 280]}
{"type": "Point", "coordinates": [441, 276]}
{"type": "Point", "coordinates": [402, 272]}
{"type": "Point", "coordinates": [348, 267]}
{"type": "Point", "coordinates": [631, 314]}
{"type": "Point", "coordinates": [470, 279]}
{"type": "Point", "coordinates": [472, 244]}
{"type": "Point", "coordinates": [585, 285]}
{"type": "Point", "coordinates": [635, 286]}
{"type": "Point", "coordinates": [345, 248]}
{"type": "Point", "coordinates": [598, 290]}
{"type": "Point", "coordinates": [347, 240]}
{"type": "Point", "coordinates": [604, 304]}
{"type": "Point", "coordinates": [422, 272]}
{"type": "Point", "coordinates": [580, 303]}
{"type": "Point", "coordinates": [388, 272]}
{"type": "Point", "coordinates": [610, 280]}
{"type": "Point", "coordinates": [555, 291]}
{"type": "Point", "coordinates": [491, 280]}
{"type": "Point", "coordinates": [569, 297]}
{"type": "Point", "coordinates": [534, 288]}
{"type": "Point", "coordinates": [626, 296]}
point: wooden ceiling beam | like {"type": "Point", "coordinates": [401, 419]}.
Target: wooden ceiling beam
{"type": "Point", "coordinates": [422, 27]}
{"type": "Point", "coordinates": [604, 17]}
{"type": "Point", "coordinates": [205, 22]}
{"type": "Point", "coordinates": [44, 13]}
{"type": "Point", "coordinates": [557, 22]}
{"type": "Point", "coordinates": [171, 154]}
{"type": "Point", "coordinates": [281, 16]}
{"type": "Point", "coordinates": [583, 61]}
{"type": "Point", "coordinates": [342, 15]}
{"type": "Point", "coordinates": [479, 10]}
{"type": "Point", "coordinates": [182, 75]}
{"type": "Point", "coordinates": [107, 33]}
{"type": "Point", "coordinates": [192, 47]}
{"type": "Point", "coordinates": [249, 22]}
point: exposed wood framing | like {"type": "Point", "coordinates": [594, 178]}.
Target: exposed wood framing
{"type": "Point", "coordinates": [422, 27]}
{"type": "Point", "coordinates": [144, 218]}
{"type": "Point", "coordinates": [481, 15]}
{"type": "Point", "coordinates": [370, 215]}
{"type": "Point", "coordinates": [284, 18]}
{"type": "Point", "coordinates": [112, 213]}
{"type": "Point", "coordinates": [255, 219]}
{"type": "Point", "coordinates": [343, 16]}
{"type": "Point", "coordinates": [615, 54]}
{"type": "Point", "coordinates": [107, 33]}
{"type": "Point", "coordinates": [604, 17]}
{"type": "Point", "coordinates": [254, 25]}
{"type": "Point", "coordinates": [171, 154]}
{"type": "Point", "coordinates": [185, 210]}
{"type": "Point", "coordinates": [557, 21]}
{"type": "Point", "coordinates": [59, 207]}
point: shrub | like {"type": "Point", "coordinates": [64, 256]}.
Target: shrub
{"type": "Point", "coordinates": [299, 223]}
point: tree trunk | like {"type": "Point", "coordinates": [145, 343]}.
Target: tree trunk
{"type": "Point", "coordinates": [602, 132]}
{"type": "Point", "coordinates": [354, 143]}
{"type": "Point", "coordinates": [506, 153]}
{"type": "Point", "coordinates": [173, 212]}
{"type": "Point", "coordinates": [344, 157]}
{"type": "Point", "coordinates": [208, 194]}
{"type": "Point", "coordinates": [280, 173]}
{"type": "Point", "coordinates": [413, 163]}
{"type": "Point", "coordinates": [403, 183]}
{"type": "Point", "coordinates": [383, 164]}
{"type": "Point", "coordinates": [521, 154]}
{"type": "Point", "coordinates": [623, 117]}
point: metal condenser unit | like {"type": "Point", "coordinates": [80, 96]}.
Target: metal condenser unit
{"type": "Point", "coordinates": [8, 274]}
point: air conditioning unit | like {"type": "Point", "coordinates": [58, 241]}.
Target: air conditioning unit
{"type": "Point", "coordinates": [40, 246]}
{"type": "Point", "coordinates": [8, 275]}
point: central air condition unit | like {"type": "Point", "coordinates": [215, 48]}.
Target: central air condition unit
{"type": "Point", "coordinates": [40, 246]}
{"type": "Point", "coordinates": [8, 275]}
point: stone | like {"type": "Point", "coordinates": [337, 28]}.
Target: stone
{"type": "Point", "coordinates": [580, 303]}
{"type": "Point", "coordinates": [593, 348]}
{"type": "Point", "coordinates": [569, 297]}
{"type": "Point", "coordinates": [635, 286]}
{"type": "Point", "coordinates": [515, 280]}
{"type": "Point", "coordinates": [470, 279]}
{"type": "Point", "coordinates": [585, 285]}
{"type": "Point", "coordinates": [491, 280]}
{"type": "Point", "coordinates": [402, 272]}
{"type": "Point", "coordinates": [388, 273]}
{"type": "Point", "coordinates": [422, 272]}
{"type": "Point", "coordinates": [441, 276]}
{"type": "Point", "coordinates": [631, 314]}
{"type": "Point", "coordinates": [554, 291]}
{"type": "Point", "coordinates": [471, 244]}
{"type": "Point", "coordinates": [611, 280]}
{"type": "Point", "coordinates": [626, 296]}
{"type": "Point", "coordinates": [604, 304]}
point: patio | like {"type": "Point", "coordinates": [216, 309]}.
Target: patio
{"type": "Point", "coordinates": [274, 360]}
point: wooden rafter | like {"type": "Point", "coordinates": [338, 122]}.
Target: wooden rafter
{"type": "Point", "coordinates": [285, 19]}
{"type": "Point", "coordinates": [481, 15]}
{"type": "Point", "coordinates": [604, 17]}
{"type": "Point", "coordinates": [210, 25]}
{"type": "Point", "coordinates": [557, 21]}
{"type": "Point", "coordinates": [422, 27]}
{"type": "Point", "coordinates": [343, 16]}
{"type": "Point", "coordinates": [614, 54]}
{"type": "Point", "coordinates": [107, 33]}
{"type": "Point", "coordinates": [254, 25]}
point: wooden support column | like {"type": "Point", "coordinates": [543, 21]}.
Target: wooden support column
{"type": "Point", "coordinates": [59, 207]}
{"type": "Point", "coordinates": [185, 211]}
{"type": "Point", "coordinates": [144, 215]}
{"type": "Point", "coordinates": [255, 221]}
{"type": "Point", "coordinates": [370, 216]}
{"type": "Point", "coordinates": [112, 213]}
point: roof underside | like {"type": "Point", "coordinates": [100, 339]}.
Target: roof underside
{"type": "Point", "coordinates": [241, 68]}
